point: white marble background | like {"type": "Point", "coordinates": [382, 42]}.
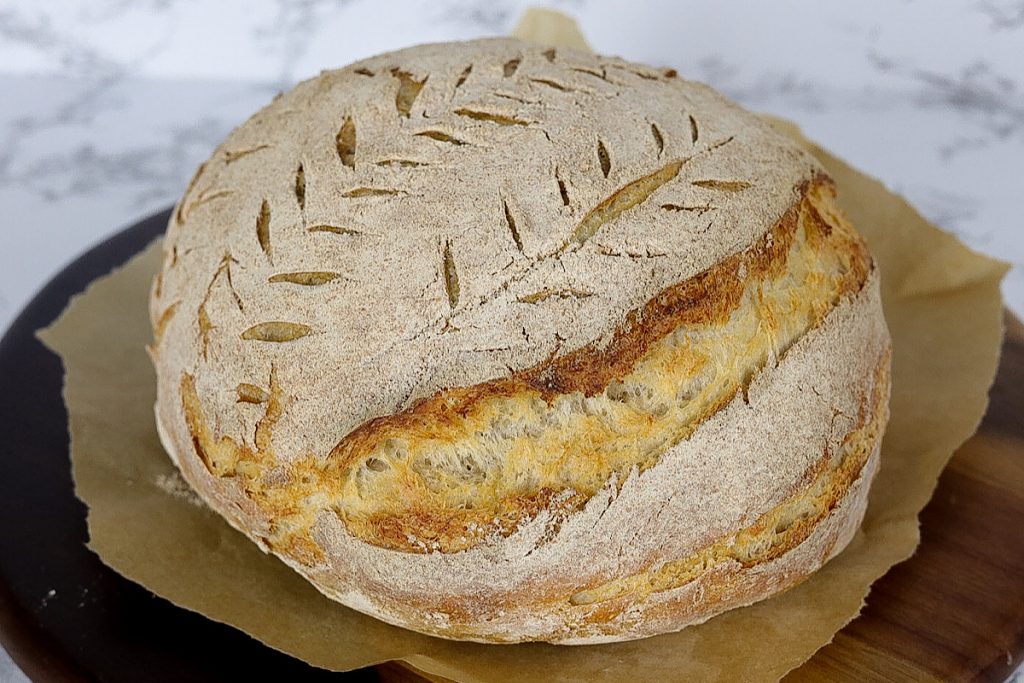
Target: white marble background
{"type": "Point", "coordinates": [107, 106]}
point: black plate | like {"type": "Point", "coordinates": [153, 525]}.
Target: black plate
{"type": "Point", "coordinates": [64, 615]}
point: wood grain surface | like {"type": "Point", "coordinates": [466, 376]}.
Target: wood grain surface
{"type": "Point", "coordinates": [955, 610]}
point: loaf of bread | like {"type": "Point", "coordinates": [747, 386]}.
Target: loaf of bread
{"type": "Point", "coordinates": [506, 343]}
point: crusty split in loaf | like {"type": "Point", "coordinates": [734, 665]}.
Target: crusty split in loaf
{"type": "Point", "coordinates": [506, 343]}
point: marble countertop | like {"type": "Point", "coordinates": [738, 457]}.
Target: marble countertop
{"type": "Point", "coordinates": [108, 106]}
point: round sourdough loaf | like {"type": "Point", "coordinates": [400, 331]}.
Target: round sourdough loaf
{"type": "Point", "coordinates": [504, 343]}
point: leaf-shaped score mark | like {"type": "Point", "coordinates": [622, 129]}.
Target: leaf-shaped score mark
{"type": "Point", "coordinates": [623, 199]}
{"type": "Point", "coordinates": [500, 119]}
{"type": "Point", "coordinates": [699, 209]}
{"type": "Point", "coordinates": [440, 136]}
{"type": "Point", "coordinates": [206, 196]}
{"type": "Point", "coordinates": [206, 325]}
{"type": "Point", "coordinates": [370, 192]}
{"type": "Point", "coordinates": [402, 163]}
{"type": "Point", "coordinates": [345, 142]}
{"type": "Point", "coordinates": [463, 76]}
{"type": "Point", "coordinates": [334, 229]}
{"type": "Point", "coordinates": [300, 187]}
{"type": "Point", "coordinates": [552, 84]}
{"type": "Point", "coordinates": [451, 276]}
{"type": "Point", "coordinates": [510, 221]}
{"type": "Point", "coordinates": [164, 321]}
{"type": "Point", "coordinates": [263, 227]}
{"type": "Point", "coordinates": [544, 294]}
{"type": "Point", "coordinates": [659, 139]}
{"type": "Point", "coordinates": [179, 215]}
{"type": "Point", "coordinates": [306, 278]}
{"type": "Point", "coordinates": [723, 185]}
{"type": "Point", "coordinates": [408, 90]}
{"type": "Point", "coordinates": [276, 331]}
{"type": "Point", "coordinates": [603, 158]}
{"type": "Point", "coordinates": [596, 73]}
{"type": "Point", "coordinates": [563, 192]}
{"type": "Point", "coordinates": [233, 155]}
{"type": "Point", "coordinates": [250, 393]}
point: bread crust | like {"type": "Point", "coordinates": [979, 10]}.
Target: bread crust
{"type": "Point", "coordinates": [267, 374]}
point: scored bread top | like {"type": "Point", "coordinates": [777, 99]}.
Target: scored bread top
{"type": "Point", "coordinates": [437, 218]}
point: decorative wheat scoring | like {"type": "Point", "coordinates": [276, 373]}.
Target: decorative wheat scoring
{"type": "Point", "coordinates": [545, 294]}
{"type": "Point", "coordinates": [371, 192]}
{"type": "Point", "coordinates": [451, 275]}
{"type": "Point", "coordinates": [500, 119]}
{"type": "Point", "coordinates": [276, 331]}
{"type": "Point", "coordinates": [440, 136]}
{"type": "Point", "coordinates": [263, 227]}
{"type": "Point", "coordinates": [408, 90]}
{"type": "Point", "coordinates": [510, 221]}
{"type": "Point", "coordinates": [659, 139]}
{"type": "Point", "coordinates": [300, 187]}
{"type": "Point", "coordinates": [206, 196]}
{"type": "Point", "coordinates": [552, 84]}
{"type": "Point", "coordinates": [250, 393]}
{"type": "Point", "coordinates": [402, 163]}
{"type": "Point", "coordinates": [699, 209]}
{"type": "Point", "coordinates": [463, 76]}
{"type": "Point", "coordinates": [723, 185]}
{"type": "Point", "coordinates": [623, 199]}
{"type": "Point", "coordinates": [306, 278]}
{"type": "Point", "coordinates": [562, 191]}
{"type": "Point", "coordinates": [335, 229]}
{"type": "Point", "coordinates": [345, 142]}
{"type": "Point", "coordinates": [231, 156]}
{"type": "Point", "coordinates": [603, 158]}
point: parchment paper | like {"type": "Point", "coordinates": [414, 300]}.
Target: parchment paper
{"type": "Point", "coordinates": [944, 310]}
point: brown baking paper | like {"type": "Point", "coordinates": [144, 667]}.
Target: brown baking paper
{"type": "Point", "coordinates": [945, 313]}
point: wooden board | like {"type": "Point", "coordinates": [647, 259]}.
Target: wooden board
{"type": "Point", "coordinates": [955, 610]}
